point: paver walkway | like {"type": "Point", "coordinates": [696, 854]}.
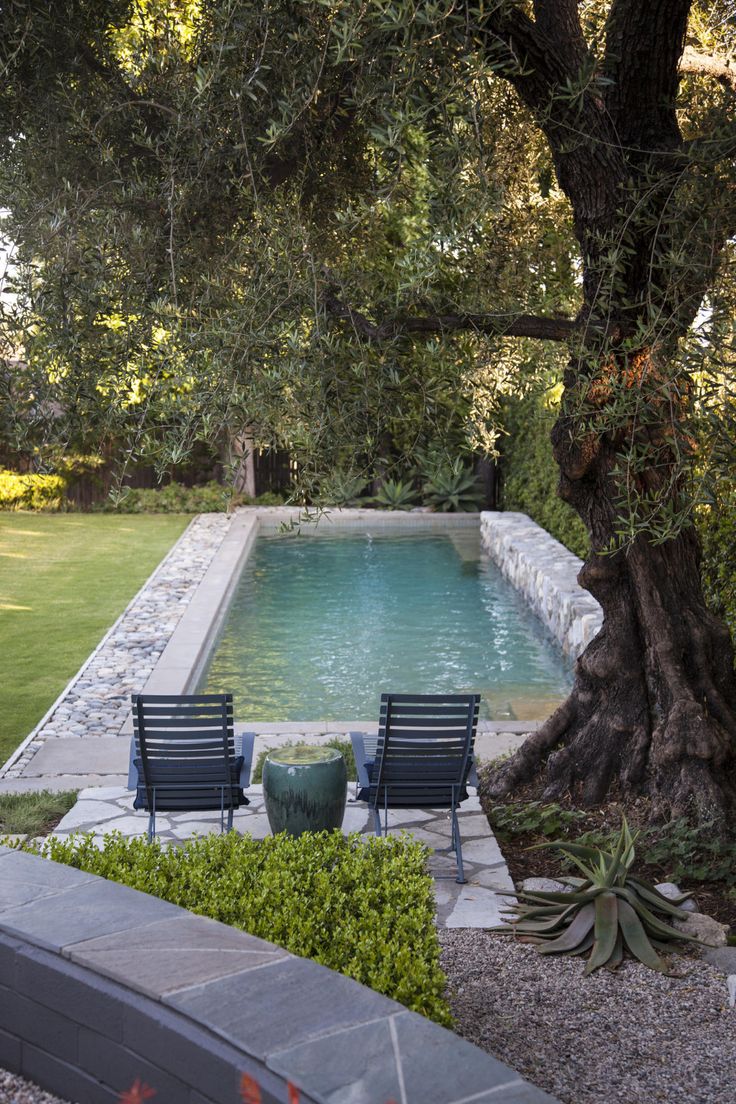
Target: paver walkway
{"type": "Point", "coordinates": [473, 905]}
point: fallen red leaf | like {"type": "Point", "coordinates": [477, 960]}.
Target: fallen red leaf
{"type": "Point", "coordinates": [250, 1090]}
{"type": "Point", "coordinates": [138, 1092]}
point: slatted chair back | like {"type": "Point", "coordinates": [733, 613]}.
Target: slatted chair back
{"type": "Point", "coordinates": [425, 744]}
{"type": "Point", "coordinates": [185, 746]}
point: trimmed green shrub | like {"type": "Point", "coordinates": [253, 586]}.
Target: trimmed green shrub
{"type": "Point", "coordinates": [530, 473]}
{"type": "Point", "coordinates": [31, 492]}
{"type": "Point", "coordinates": [363, 908]}
{"type": "Point", "coordinates": [175, 498]}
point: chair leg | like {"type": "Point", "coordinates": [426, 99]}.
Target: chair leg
{"type": "Point", "coordinates": [377, 819]}
{"type": "Point", "coordinates": [230, 819]}
{"type": "Point", "coordinates": [152, 816]}
{"type": "Point", "coordinates": [457, 843]}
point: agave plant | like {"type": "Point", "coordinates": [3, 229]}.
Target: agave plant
{"type": "Point", "coordinates": [452, 487]}
{"type": "Point", "coordinates": [605, 912]}
{"type": "Point", "coordinates": [344, 487]}
{"type": "Point", "coordinates": [394, 494]}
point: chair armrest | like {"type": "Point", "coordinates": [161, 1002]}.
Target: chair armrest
{"type": "Point", "coordinates": [362, 756]}
{"type": "Point", "coordinates": [247, 741]}
{"type": "Point", "coordinates": [132, 768]}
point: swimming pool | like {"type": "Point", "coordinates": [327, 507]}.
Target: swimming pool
{"type": "Point", "coordinates": [318, 628]}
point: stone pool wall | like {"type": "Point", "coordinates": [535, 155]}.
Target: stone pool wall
{"type": "Point", "coordinates": [545, 572]}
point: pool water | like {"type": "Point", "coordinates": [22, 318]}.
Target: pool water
{"type": "Point", "coordinates": [319, 627]}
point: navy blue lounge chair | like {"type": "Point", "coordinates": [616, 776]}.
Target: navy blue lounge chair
{"type": "Point", "coordinates": [185, 756]}
{"type": "Point", "coordinates": [423, 756]}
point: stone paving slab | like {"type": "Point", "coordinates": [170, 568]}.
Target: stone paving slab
{"type": "Point", "coordinates": [476, 904]}
{"type": "Point", "coordinates": [173, 954]}
{"type": "Point", "coordinates": [79, 755]}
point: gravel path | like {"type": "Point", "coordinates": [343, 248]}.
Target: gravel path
{"type": "Point", "coordinates": [633, 1036]}
{"type": "Point", "coordinates": [15, 1090]}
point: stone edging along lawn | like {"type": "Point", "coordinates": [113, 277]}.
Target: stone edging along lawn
{"type": "Point", "coordinates": [101, 985]}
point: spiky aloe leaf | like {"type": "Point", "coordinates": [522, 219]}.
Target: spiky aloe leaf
{"type": "Point", "coordinates": [544, 927]}
{"type": "Point", "coordinates": [617, 954]}
{"type": "Point", "coordinates": [586, 944]}
{"type": "Point", "coordinates": [606, 931]}
{"type": "Point", "coordinates": [580, 927]}
{"type": "Point", "coordinates": [636, 938]}
{"type": "Point", "coordinates": [656, 926]}
{"type": "Point", "coordinates": [654, 897]}
{"type": "Point", "coordinates": [582, 850]}
{"type": "Point", "coordinates": [540, 896]}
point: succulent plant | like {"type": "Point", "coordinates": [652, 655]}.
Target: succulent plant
{"type": "Point", "coordinates": [344, 487]}
{"type": "Point", "coordinates": [452, 487]}
{"type": "Point", "coordinates": [605, 912]}
{"type": "Point", "coordinates": [394, 494]}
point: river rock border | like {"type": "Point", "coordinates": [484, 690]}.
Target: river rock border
{"type": "Point", "coordinates": [545, 573]}
{"type": "Point", "coordinates": [102, 986]}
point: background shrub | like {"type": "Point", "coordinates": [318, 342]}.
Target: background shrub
{"type": "Point", "coordinates": [530, 472]}
{"type": "Point", "coordinates": [717, 527]}
{"type": "Point", "coordinates": [363, 908]}
{"type": "Point", "coordinates": [31, 492]}
{"type": "Point", "coordinates": [175, 498]}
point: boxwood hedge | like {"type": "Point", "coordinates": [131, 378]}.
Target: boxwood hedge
{"type": "Point", "coordinates": [363, 908]}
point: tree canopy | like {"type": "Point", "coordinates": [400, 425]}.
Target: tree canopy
{"type": "Point", "coordinates": [351, 226]}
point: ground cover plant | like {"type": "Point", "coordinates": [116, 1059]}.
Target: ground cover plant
{"type": "Point", "coordinates": [35, 813]}
{"type": "Point", "coordinates": [64, 579]}
{"type": "Point", "coordinates": [365, 909]}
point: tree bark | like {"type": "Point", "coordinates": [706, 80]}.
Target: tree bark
{"type": "Point", "coordinates": [653, 706]}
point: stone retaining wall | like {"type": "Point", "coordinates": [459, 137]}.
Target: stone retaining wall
{"type": "Point", "coordinates": [101, 985]}
{"type": "Point", "coordinates": [545, 572]}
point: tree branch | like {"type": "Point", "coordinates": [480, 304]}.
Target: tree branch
{"type": "Point", "coordinates": [705, 65]}
{"type": "Point", "coordinates": [501, 325]}
{"type": "Point", "coordinates": [559, 21]}
{"type": "Point", "coordinates": [644, 43]}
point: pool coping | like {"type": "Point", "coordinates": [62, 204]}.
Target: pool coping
{"type": "Point", "coordinates": [545, 574]}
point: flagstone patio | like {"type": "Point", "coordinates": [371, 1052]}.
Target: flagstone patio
{"type": "Point", "coordinates": [475, 904]}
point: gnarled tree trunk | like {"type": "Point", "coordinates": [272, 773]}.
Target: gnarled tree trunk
{"type": "Point", "coordinates": [653, 706]}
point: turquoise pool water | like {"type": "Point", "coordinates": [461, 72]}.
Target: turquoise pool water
{"type": "Point", "coordinates": [319, 627]}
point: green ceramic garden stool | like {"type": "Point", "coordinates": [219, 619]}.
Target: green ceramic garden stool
{"type": "Point", "coordinates": [305, 789]}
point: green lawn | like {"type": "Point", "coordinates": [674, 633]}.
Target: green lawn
{"type": "Point", "coordinates": [64, 578]}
